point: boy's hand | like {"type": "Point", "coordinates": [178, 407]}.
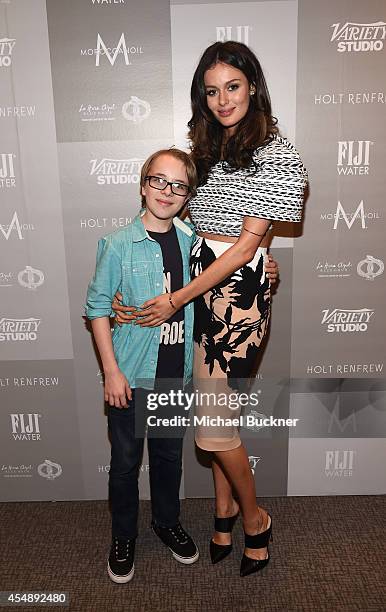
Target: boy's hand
{"type": "Point", "coordinates": [117, 389]}
{"type": "Point", "coordinates": [122, 312]}
{"type": "Point", "coordinates": [271, 268]}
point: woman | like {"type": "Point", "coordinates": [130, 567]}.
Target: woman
{"type": "Point", "coordinates": [248, 177]}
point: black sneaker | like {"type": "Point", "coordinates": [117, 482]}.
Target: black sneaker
{"type": "Point", "coordinates": [120, 566]}
{"type": "Point", "coordinates": [178, 541]}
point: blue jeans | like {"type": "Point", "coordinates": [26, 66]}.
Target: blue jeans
{"type": "Point", "coordinates": [165, 469]}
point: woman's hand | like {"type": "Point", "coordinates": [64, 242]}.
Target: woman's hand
{"type": "Point", "coordinates": [123, 314]}
{"type": "Point", "coordinates": [117, 389]}
{"type": "Point", "coordinates": [158, 310]}
{"type": "Point", "coordinates": [271, 268]}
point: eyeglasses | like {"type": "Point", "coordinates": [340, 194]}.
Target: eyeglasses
{"type": "Point", "coordinates": [177, 188]}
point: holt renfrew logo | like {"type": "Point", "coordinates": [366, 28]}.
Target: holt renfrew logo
{"type": "Point", "coordinates": [358, 36]}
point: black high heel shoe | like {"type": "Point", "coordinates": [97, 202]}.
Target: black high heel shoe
{"type": "Point", "coordinates": [260, 540]}
{"type": "Point", "coordinates": [218, 552]}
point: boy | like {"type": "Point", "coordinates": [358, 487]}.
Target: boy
{"type": "Point", "coordinates": [144, 259]}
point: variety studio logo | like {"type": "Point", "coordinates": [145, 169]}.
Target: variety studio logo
{"type": "Point", "coordinates": [7, 170]}
{"type": "Point", "coordinates": [353, 157]}
{"type": "Point", "coordinates": [25, 426]}
{"type": "Point", "coordinates": [253, 461]}
{"type": "Point", "coordinates": [6, 48]}
{"type": "Point", "coordinates": [339, 463]}
{"type": "Point", "coordinates": [98, 112]}
{"type": "Point", "coordinates": [19, 330]}
{"type": "Point", "coordinates": [15, 227]}
{"type": "Point", "coordinates": [239, 33]}
{"type": "Point", "coordinates": [116, 171]}
{"type": "Point", "coordinates": [136, 110]}
{"type": "Point", "coordinates": [50, 470]}
{"type": "Point", "coordinates": [370, 267]}
{"type": "Point", "coordinates": [340, 320]}
{"type": "Point", "coordinates": [111, 53]}
{"type": "Point", "coordinates": [358, 36]}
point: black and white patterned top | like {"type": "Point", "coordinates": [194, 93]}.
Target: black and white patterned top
{"type": "Point", "coordinates": [272, 188]}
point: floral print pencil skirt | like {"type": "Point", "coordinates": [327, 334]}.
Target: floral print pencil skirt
{"type": "Point", "coordinates": [230, 323]}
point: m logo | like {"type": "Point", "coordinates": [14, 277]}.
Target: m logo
{"type": "Point", "coordinates": [14, 225]}
{"type": "Point", "coordinates": [239, 33]}
{"type": "Point", "coordinates": [101, 47]}
{"type": "Point", "coordinates": [341, 214]}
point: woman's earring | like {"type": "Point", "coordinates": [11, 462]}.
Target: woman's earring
{"type": "Point", "coordinates": [252, 91]}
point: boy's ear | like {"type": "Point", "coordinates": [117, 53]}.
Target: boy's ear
{"type": "Point", "coordinates": [143, 190]}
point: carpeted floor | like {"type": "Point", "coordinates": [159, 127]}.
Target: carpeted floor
{"type": "Point", "coordinates": [328, 554]}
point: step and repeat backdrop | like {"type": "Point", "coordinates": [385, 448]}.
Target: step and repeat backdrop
{"type": "Point", "coordinates": [88, 89]}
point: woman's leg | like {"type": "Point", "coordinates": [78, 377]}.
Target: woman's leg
{"type": "Point", "coordinates": [225, 503]}
{"type": "Point", "coordinates": [235, 466]}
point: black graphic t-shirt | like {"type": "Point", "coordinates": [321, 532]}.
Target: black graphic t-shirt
{"type": "Point", "coordinates": [171, 353]}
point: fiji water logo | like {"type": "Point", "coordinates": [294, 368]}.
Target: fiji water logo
{"type": "Point", "coordinates": [353, 157]}
{"type": "Point", "coordinates": [358, 36]}
{"type": "Point", "coordinates": [339, 463]}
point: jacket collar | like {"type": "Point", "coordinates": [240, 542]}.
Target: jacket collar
{"type": "Point", "coordinates": [140, 233]}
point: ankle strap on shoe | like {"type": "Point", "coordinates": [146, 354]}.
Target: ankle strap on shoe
{"type": "Point", "coordinates": [260, 540]}
{"type": "Point", "coordinates": [224, 525]}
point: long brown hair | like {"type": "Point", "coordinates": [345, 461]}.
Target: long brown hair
{"type": "Point", "coordinates": [206, 133]}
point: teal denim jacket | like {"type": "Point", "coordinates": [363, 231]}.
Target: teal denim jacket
{"type": "Point", "coordinates": [131, 262]}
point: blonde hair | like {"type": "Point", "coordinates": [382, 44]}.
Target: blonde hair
{"type": "Point", "coordinates": [180, 156]}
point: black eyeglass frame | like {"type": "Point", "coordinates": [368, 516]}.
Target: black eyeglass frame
{"type": "Point", "coordinates": [167, 183]}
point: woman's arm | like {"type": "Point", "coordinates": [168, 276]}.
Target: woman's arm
{"type": "Point", "coordinates": [161, 308]}
{"type": "Point", "coordinates": [116, 386]}
{"type": "Point", "coordinates": [124, 314]}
